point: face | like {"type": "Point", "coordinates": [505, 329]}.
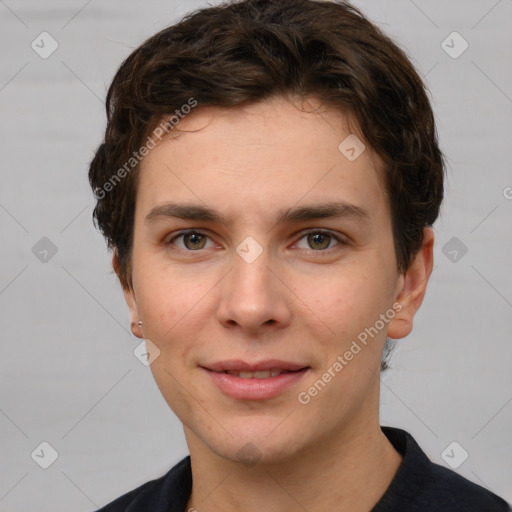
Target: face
{"type": "Point", "coordinates": [284, 253]}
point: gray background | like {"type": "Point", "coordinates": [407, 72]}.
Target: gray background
{"type": "Point", "coordinates": [67, 369]}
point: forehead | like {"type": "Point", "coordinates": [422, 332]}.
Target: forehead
{"type": "Point", "coordinates": [252, 161]}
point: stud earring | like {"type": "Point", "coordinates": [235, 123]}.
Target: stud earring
{"type": "Point", "coordinates": [140, 323]}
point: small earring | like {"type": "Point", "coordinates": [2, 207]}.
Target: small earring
{"type": "Point", "coordinates": [140, 323]}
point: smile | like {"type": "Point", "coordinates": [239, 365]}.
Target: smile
{"type": "Point", "coordinates": [255, 384]}
{"type": "Point", "coordinates": [262, 374]}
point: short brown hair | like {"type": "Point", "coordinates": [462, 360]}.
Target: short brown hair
{"type": "Point", "coordinates": [242, 52]}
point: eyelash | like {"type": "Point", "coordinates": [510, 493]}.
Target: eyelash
{"type": "Point", "coordinates": [303, 235]}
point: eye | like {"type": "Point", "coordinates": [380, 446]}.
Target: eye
{"type": "Point", "coordinates": [192, 240]}
{"type": "Point", "coordinates": [319, 240]}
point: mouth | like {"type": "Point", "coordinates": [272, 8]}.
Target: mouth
{"type": "Point", "coordinates": [262, 374]}
{"type": "Point", "coordinates": [255, 381]}
{"type": "Point", "coordinates": [240, 366]}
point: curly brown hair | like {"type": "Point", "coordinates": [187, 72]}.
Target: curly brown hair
{"type": "Point", "coordinates": [241, 52]}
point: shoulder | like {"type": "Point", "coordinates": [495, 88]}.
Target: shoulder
{"type": "Point", "coordinates": [168, 493]}
{"type": "Point", "coordinates": [446, 488]}
{"type": "Point", "coordinates": [421, 485]}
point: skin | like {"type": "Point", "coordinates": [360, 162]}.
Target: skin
{"type": "Point", "coordinates": [300, 300]}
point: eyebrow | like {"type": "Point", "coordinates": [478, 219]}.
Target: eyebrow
{"type": "Point", "coordinates": [331, 210]}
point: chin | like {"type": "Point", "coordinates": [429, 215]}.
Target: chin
{"type": "Point", "coordinates": [253, 446]}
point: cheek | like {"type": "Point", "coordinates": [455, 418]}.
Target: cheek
{"type": "Point", "coordinates": [176, 312]}
{"type": "Point", "coordinates": [165, 294]}
{"type": "Point", "coordinates": [346, 299]}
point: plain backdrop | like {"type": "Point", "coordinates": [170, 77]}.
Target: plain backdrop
{"type": "Point", "coordinates": [68, 374]}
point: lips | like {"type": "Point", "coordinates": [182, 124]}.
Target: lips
{"type": "Point", "coordinates": [239, 367]}
{"type": "Point", "coordinates": [255, 381]}
{"type": "Point", "coordinates": [262, 374]}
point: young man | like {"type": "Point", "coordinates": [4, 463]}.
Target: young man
{"type": "Point", "coordinates": [268, 182]}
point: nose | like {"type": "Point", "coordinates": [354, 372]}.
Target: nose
{"type": "Point", "coordinates": [253, 297]}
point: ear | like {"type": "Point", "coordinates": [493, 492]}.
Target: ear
{"type": "Point", "coordinates": [411, 288]}
{"type": "Point", "coordinates": [129, 297]}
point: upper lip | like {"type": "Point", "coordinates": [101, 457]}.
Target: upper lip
{"type": "Point", "coordinates": [243, 366]}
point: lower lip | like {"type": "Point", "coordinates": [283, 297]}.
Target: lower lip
{"type": "Point", "coordinates": [255, 389]}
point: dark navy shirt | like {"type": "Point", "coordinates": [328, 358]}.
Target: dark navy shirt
{"type": "Point", "coordinates": [419, 485]}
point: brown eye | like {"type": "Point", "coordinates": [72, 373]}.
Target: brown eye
{"type": "Point", "coordinates": [319, 241]}
{"type": "Point", "coordinates": [194, 241]}
{"type": "Point", "coordinates": [189, 241]}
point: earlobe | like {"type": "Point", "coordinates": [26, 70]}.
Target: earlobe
{"type": "Point", "coordinates": [135, 322]}
{"type": "Point", "coordinates": [412, 288]}
{"type": "Point", "coordinates": [129, 297]}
